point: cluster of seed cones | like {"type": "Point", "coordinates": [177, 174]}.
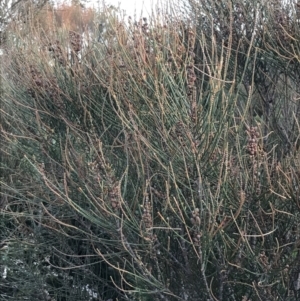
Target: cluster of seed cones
{"type": "Point", "coordinates": [195, 219]}
{"type": "Point", "coordinates": [41, 86]}
{"type": "Point", "coordinates": [147, 217]}
{"type": "Point", "coordinates": [75, 41]}
{"type": "Point", "coordinates": [252, 145]}
{"type": "Point", "coordinates": [57, 52]}
{"type": "Point", "coordinates": [114, 194]}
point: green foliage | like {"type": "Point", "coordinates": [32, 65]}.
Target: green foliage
{"type": "Point", "coordinates": [160, 162]}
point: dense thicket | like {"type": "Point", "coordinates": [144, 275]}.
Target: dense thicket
{"type": "Point", "coordinates": [153, 159]}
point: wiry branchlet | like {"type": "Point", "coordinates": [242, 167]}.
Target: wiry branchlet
{"type": "Point", "coordinates": [191, 75]}
{"type": "Point", "coordinates": [297, 8]}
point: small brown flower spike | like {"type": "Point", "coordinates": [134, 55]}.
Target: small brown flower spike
{"type": "Point", "coordinates": [252, 145]}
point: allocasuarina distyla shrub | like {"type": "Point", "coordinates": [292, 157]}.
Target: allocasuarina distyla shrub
{"type": "Point", "coordinates": [158, 161]}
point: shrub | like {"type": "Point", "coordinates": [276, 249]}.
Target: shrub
{"type": "Point", "coordinates": [159, 162]}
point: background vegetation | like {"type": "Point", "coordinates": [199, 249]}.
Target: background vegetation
{"type": "Point", "coordinates": [153, 159]}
